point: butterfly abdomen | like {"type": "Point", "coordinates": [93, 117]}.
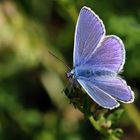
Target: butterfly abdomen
{"type": "Point", "coordinates": [103, 73]}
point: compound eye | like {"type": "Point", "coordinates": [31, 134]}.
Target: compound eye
{"type": "Point", "coordinates": [68, 75]}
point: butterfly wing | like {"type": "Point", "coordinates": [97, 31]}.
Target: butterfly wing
{"type": "Point", "coordinates": [116, 87]}
{"type": "Point", "coordinates": [89, 32]}
{"type": "Point", "coordinates": [104, 55]}
{"type": "Point", "coordinates": [109, 55]}
{"type": "Point", "coordinates": [98, 95]}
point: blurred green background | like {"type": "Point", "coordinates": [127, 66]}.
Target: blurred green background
{"type": "Point", "coordinates": [32, 106]}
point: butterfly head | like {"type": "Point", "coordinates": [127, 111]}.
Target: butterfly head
{"type": "Point", "coordinates": [70, 74]}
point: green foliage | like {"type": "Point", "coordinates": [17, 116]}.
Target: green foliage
{"type": "Point", "coordinates": [104, 123]}
{"type": "Point", "coordinates": [32, 106]}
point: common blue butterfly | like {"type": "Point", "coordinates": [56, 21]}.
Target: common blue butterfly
{"type": "Point", "coordinates": [97, 61]}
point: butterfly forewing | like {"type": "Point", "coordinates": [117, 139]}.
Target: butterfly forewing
{"type": "Point", "coordinates": [89, 32]}
{"type": "Point", "coordinates": [98, 95]}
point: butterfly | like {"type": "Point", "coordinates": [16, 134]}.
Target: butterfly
{"type": "Point", "coordinates": [97, 60]}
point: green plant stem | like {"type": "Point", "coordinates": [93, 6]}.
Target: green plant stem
{"type": "Point", "coordinates": [94, 123]}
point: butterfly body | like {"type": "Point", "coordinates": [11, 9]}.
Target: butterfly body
{"type": "Point", "coordinates": [83, 72]}
{"type": "Point", "coordinates": [97, 61]}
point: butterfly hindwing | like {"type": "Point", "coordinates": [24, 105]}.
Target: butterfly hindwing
{"type": "Point", "coordinates": [116, 87]}
{"type": "Point", "coordinates": [110, 54]}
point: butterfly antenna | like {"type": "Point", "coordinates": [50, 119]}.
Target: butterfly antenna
{"type": "Point", "coordinates": [60, 60]}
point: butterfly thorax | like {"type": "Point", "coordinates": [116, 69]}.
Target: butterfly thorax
{"type": "Point", "coordinates": [83, 72]}
{"type": "Point", "coordinates": [80, 72]}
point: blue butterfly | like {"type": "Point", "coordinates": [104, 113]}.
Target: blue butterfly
{"type": "Point", "coordinates": [97, 61]}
